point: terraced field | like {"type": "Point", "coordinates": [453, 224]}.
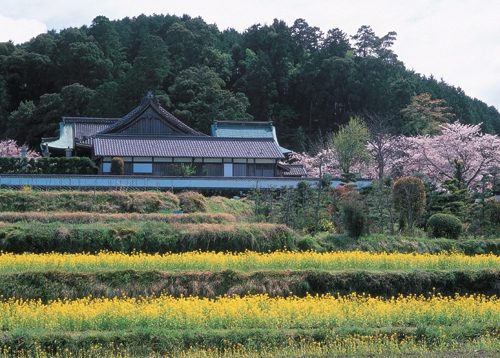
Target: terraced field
{"type": "Point", "coordinates": [94, 284]}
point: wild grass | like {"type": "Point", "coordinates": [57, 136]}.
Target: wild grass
{"type": "Point", "coordinates": [60, 284]}
{"type": "Point", "coordinates": [86, 217]}
{"type": "Point", "coordinates": [89, 201]}
{"type": "Point", "coordinates": [146, 236]}
{"type": "Point", "coordinates": [249, 344]}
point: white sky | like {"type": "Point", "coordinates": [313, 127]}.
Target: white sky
{"type": "Point", "coordinates": [456, 40]}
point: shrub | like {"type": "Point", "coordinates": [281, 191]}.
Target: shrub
{"type": "Point", "coordinates": [409, 199]}
{"type": "Point", "coordinates": [492, 210]}
{"type": "Point", "coordinates": [306, 243]}
{"type": "Point", "coordinates": [117, 166]}
{"type": "Point", "coordinates": [353, 218]}
{"type": "Point", "coordinates": [97, 202]}
{"type": "Point", "coordinates": [324, 225]}
{"type": "Point", "coordinates": [444, 225]}
{"type": "Point", "coordinates": [146, 236]}
{"type": "Point", "coordinates": [73, 165]}
{"type": "Point", "coordinates": [191, 202]}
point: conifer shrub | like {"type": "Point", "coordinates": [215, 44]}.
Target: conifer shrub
{"type": "Point", "coordinates": [117, 166]}
{"type": "Point", "coordinates": [409, 199]}
{"type": "Point", "coordinates": [353, 218]}
{"type": "Point", "coordinates": [191, 202]}
{"type": "Point", "coordinates": [444, 225]}
{"type": "Point", "coordinates": [492, 211]}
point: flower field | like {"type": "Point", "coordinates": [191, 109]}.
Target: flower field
{"type": "Point", "coordinates": [250, 312]}
{"type": "Point", "coordinates": [247, 261]}
{"type": "Point", "coordinates": [272, 303]}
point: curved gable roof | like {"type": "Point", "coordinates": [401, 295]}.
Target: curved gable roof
{"type": "Point", "coordinates": [154, 117]}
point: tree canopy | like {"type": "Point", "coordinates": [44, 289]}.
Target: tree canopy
{"type": "Point", "coordinates": [296, 75]}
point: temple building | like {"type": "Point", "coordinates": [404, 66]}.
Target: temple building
{"type": "Point", "coordinates": [151, 141]}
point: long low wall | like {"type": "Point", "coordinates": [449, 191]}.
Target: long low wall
{"type": "Point", "coordinates": [149, 182]}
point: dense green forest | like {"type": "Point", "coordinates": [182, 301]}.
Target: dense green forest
{"type": "Point", "coordinates": [301, 78]}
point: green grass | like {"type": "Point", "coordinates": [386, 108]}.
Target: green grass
{"type": "Point", "coordinates": [59, 284]}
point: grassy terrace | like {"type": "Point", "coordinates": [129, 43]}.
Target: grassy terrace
{"type": "Point", "coordinates": [112, 274]}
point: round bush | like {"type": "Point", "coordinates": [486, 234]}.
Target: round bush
{"type": "Point", "coordinates": [444, 225]}
{"type": "Point", "coordinates": [117, 166]}
{"type": "Point", "coordinates": [192, 202]}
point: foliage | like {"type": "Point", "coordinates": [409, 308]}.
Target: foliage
{"type": "Point", "coordinates": [437, 156]}
{"type": "Point", "coordinates": [192, 202]}
{"type": "Point", "coordinates": [73, 165]}
{"type": "Point", "coordinates": [444, 225]}
{"type": "Point", "coordinates": [146, 236]}
{"type": "Point", "coordinates": [117, 166]}
{"type": "Point", "coordinates": [62, 284]}
{"type": "Point", "coordinates": [349, 146]}
{"type": "Point", "coordinates": [249, 343]}
{"type": "Point", "coordinates": [9, 148]}
{"type": "Point", "coordinates": [91, 201]}
{"type": "Point", "coordinates": [296, 75]}
{"type": "Point", "coordinates": [492, 211]}
{"type": "Point", "coordinates": [378, 198]}
{"type": "Point", "coordinates": [409, 199]}
{"type": "Point", "coordinates": [354, 217]}
{"type": "Point", "coordinates": [186, 170]}
{"type": "Point", "coordinates": [88, 217]}
{"type": "Point", "coordinates": [425, 115]}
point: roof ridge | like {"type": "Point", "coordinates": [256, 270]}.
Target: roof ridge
{"type": "Point", "coordinates": [182, 137]}
{"type": "Point", "coordinates": [151, 101]}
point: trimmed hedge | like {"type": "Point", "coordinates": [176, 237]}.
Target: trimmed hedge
{"type": "Point", "coordinates": [62, 285]}
{"type": "Point", "coordinates": [171, 343]}
{"type": "Point", "coordinates": [73, 165]}
{"type": "Point", "coordinates": [147, 236]}
{"type": "Point", "coordinates": [409, 244]}
{"type": "Point", "coordinates": [444, 225]}
{"type": "Point", "coordinates": [89, 201]}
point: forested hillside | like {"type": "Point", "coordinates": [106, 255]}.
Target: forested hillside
{"type": "Point", "coordinates": [299, 76]}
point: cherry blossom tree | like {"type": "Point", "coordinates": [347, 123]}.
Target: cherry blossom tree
{"type": "Point", "coordinates": [9, 148]}
{"type": "Point", "coordinates": [436, 156]}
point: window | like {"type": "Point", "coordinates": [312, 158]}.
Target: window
{"type": "Point", "coordinates": [143, 168]}
{"type": "Point", "coordinates": [240, 170]}
{"type": "Point", "coordinates": [214, 170]}
{"type": "Point", "coordinates": [264, 170]}
{"type": "Point", "coordinates": [106, 167]}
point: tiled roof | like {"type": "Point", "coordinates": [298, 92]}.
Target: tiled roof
{"type": "Point", "coordinates": [85, 127]}
{"type": "Point", "coordinates": [187, 146]}
{"type": "Point", "coordinates": [294, 170]}
{"type": "Point", "coordinates": [242, 129]}
{"type": "Point", "coordinates": [88, 129]}
{"type": "Point", "coordinates": [245, 129]}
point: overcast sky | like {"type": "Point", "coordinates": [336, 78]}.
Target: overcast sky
{"type": "Point", "coordinates": [456, 40]}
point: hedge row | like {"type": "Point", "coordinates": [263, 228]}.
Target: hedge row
{"type": "Point", "coordinates": [404, 245]}
{"type": "Point", "coordinates": [86, 218]}
{"type": "Point", "coordinates": [73, 165]}
{"type": "Point", "coordinates": [439, 342]}
{"type": "Point", "coordinates": [60, 285]}
{"type": "Point", "coordinates": [145, 236]}
{"type": "Point", "coordinates": [89, 201]}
